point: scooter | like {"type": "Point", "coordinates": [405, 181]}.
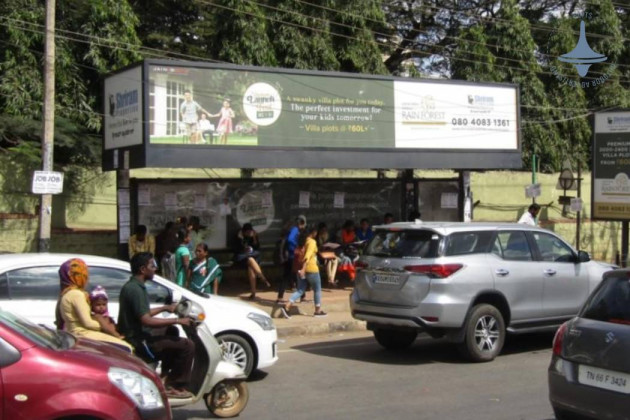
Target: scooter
{"type": "Point", "coordinates": [219, 382]}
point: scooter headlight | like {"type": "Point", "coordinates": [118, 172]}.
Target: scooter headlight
{"type": "Point", "coordinates": [140, 389]}
{"type": "Point", "coordinates": [189, 309]}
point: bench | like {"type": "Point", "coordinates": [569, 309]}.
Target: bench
{"type": "Point", "coordinates": [235, 271]}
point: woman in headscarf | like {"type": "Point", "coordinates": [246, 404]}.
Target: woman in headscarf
{"type": "Point", "coordinates": [73, 308]}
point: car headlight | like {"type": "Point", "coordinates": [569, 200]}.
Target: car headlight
{"type": "Point", "coordinates": [140, 389]}
{"type": "Point", "coordinates": [264, 321]}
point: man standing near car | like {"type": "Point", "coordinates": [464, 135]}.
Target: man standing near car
{"type": "Point", "coordinates": [529, 217]}
{"type": "Point", "coordinates": [136, 319]}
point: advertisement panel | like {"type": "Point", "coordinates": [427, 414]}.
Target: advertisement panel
{"type": "Point", "coordinates": [245, 107]}
{"type": "Point", "coordinates": [122, 121]}
{"type": "Point", "coordinates": [611, 166]}
{"type": "Point", "coordinates": [270, 206]}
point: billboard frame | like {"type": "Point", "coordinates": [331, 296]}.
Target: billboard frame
{"type": "Point", "coordinates": [181, 156]}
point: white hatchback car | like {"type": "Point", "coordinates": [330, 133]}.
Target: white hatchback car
{"type": "Point", "coordinates": [29, 286]}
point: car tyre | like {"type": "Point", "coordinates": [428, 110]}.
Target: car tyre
{"type": "Point", "coordinates": [394, 339]}
{"type": "Point", "coordinates": [484, 334]}
{"type": "Point", "coordinates": [239, 351]}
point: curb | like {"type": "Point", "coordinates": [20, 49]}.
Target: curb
{"type": "Point", "coordinates": [320, 328]}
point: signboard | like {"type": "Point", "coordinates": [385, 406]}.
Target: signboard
{"type": "Point", "coordinates": [255, 108]}
{"type": "Point", "coordinates": [532, 190]}
{"type": "Point", "coordinates": [197, 115]}
{"type": "Point", "coordinates": [123, 109]}
{"type": "Point", "coordinates": [611, 166]}
{"type": "Point", "coordinates": [47, 182]}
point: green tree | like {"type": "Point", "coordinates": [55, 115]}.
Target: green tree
{"type": "Point", "coordinates": [92, 38]}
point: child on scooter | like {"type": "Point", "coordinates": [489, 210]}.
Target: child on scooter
{"type": "Point", "coordinates": [204, 272]}
{"type": "Point", "coordinates": [98, 303]}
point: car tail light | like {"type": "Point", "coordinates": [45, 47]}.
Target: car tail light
{"type": "Point", "coordinates": [435, 270]}
{"type": "Point", "coordinates": [361, 264]}
{"type": "Point", "coordinates": [558, 339]}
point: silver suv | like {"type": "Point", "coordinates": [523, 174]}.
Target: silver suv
{"type": "Point", "coordinates": [468, 282]}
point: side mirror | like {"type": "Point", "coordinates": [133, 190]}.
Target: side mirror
{"type": "Point", "coordinates": [583, 257]}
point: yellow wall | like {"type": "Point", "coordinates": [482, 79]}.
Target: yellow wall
{"type": "Point", "coordinates": [499, 196]}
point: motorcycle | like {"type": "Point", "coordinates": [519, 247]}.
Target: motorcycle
{"type": "Point", "coordinates": [218, 381]}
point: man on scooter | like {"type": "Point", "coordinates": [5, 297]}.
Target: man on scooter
{"type": "Point", "coordinates": [136, 319]}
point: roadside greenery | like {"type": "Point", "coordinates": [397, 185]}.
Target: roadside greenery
{"type": "Point", "coordinates": [507, 41]}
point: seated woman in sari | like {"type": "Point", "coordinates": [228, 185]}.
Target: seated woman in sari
{"type": "Point", "coordinates": [73, 308]}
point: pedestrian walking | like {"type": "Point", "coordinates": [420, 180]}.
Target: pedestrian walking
{"type": "Point", "coordinates": [529, 217]}
{"type": "Point", "coordinates": [307, 273]}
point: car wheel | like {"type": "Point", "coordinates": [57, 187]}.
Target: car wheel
{"type": "Point", "coordinates": [394, 339]}
{"type": "Point", "coordinates": [238, 351]}
{"type": "Point", "coordinates": [484, 335]}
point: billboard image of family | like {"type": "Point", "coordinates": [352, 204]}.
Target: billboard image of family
{"type": "Point", "coordinates": [243, 107]}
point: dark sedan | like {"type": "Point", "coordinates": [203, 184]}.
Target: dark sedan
{"type": "Point", "coordinates": [589, 374]}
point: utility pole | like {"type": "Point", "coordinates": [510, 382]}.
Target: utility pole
{"type": "Point", "coordinates": [48, 131]}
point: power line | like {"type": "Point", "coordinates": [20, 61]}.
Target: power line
{"type": "Point", "coordinates": [428, 54]}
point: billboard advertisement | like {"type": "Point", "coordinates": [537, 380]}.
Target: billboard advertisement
{"type": "Point", "coordinates": [611, 166]}
{"type": "Point", "coordinates": [122, 110]}
{"type": "Point", "coordinates": [245, 107]}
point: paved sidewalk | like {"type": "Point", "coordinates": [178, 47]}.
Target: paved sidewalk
{"type": "Point", "coordinates": [335, 301]}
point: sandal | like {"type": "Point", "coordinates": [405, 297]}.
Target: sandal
{"type": "Point", "coordinates": [252, 296]}
{"type": "Point", "coordinates": [177, 393]}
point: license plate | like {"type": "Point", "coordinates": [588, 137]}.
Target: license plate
{"type": "Point", "coordinates": [386, 279]}
{"type": "Point", "coordinates": [605, 379]}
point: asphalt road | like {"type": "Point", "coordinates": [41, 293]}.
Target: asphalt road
{"type": "Point", "coordinates": [350, 376]}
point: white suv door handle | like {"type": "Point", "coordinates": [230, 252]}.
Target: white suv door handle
{"type": "Point", "coordinates": [550, 272]}
{"type": "Point", "coordinates": [502, 272]}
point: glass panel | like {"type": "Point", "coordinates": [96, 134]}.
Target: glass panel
{"type": "Point", "coordinates": [34, 283]}
{"type": "Point", "coordinates": [463, 243]}
{"type": "Point", "coordinates": [515, 246]}
{"type": "Point", "coordinates": [553, 249]}
{"type": "Point", "coordinates": [611, 302]}
{"type": "Point", "coordinates": [401, 244]}
{"type": "Point", "coordinates": [110, 278]}
{"type": "Point", "coordinates": [4, 287]}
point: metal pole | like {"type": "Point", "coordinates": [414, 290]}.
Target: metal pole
{"type": "Point", "coordinates": [624, 243]}
{"type": "Point", "coordinates": [48, 131]}
{"type": "Point", "coordinates": [579, 213]}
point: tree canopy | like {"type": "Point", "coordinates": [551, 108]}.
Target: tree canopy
{"type": "Point", "coordinates": [483, 40]}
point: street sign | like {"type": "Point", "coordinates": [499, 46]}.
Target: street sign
{"type": "Point", "coordinates": [576, 204]}
{"type": "Point", "coordinates": [47, 182]}
{"type": "Point", "coordinates": [532, 190]}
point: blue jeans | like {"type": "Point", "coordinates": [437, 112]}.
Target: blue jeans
{"type": "Point", "coordinates": [316, 284]}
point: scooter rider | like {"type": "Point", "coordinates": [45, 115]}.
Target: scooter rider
{"type": "Point", "coordinates": [136, 319]}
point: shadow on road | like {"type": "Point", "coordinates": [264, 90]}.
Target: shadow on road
{"type": "Point", "coordinates": [424, 350]}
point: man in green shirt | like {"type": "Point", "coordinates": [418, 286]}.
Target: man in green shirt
{"type": "Point", "coordinates": [136, 319]}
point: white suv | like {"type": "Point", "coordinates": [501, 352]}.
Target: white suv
{"type": "Point", "coordinates": [29, 286]}
{"type": "Point", "coordinates": [468, 282]}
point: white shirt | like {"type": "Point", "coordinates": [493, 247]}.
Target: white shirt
{"type": "Point", "coordinates": [206, 125]}
{"type": "Point", "coordinates": [527, 219]}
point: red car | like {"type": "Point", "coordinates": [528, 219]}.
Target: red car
{"type": "Point", "coordinates": [49, 374]}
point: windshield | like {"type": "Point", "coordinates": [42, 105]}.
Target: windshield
{"type": "Point", "coordinates": [404, 244]}
{"type": "Point", "coordinates": [611, 301]}
{"type": "Point", "coordinates": [43, 336]}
